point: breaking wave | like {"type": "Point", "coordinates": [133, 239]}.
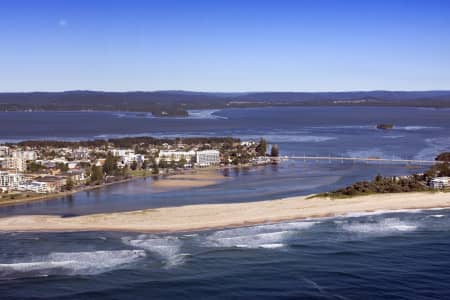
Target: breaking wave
{"type": "Point", "coordinates": [263, 236]}
{"type": "Point", "coordinates": [72, 263]}
{"type": "Point", "coordinates": [168, 248]}
{"type": "Point", "coordinates": [380, 227]}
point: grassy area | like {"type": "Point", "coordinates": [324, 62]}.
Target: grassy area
{"type": "Point", "coordinates": [139, 173]}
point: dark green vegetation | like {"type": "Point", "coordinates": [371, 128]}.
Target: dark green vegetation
{"type": "Point", "coordinates": [380, 184]}
{"type": "Point", "coordinates": [261, 149]}
{"type": "Point", "coordinates": [445, 156]}
{"type": "Point", "coordinates": [176, 103]}
{"type": "Point", "coordinates": [438, 170]}
{"type": "Point", "coordinates": [385, 126]}
{"type": "Point", "coordinates": [274, 151]}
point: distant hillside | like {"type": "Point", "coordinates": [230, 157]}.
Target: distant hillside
{"type": "Point", "coordinates": [176, 103]}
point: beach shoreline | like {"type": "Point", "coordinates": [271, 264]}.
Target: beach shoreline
{"type": "Point", "coordinates": [201, 217]}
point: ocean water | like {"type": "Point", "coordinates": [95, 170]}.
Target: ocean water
{"type": "Point", "coordinates": [382, 255]}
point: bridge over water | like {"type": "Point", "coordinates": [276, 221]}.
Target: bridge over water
{"type": "Point", "coordinates": [363, 159]}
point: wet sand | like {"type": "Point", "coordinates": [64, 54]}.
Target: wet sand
{"type": "Point", "coordinates": [209, 216]}
{"type": "Point", "coordinates": [189, 179]}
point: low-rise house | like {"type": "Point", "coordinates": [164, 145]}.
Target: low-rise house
{"type": "Point", "coordinates": [72, 164]}
{"type": "Point", "coordinates": [261, 160]}
{"type": "Point", "coordinates": [440, 182]}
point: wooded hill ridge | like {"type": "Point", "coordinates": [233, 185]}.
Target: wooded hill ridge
{"type": "Point", "coordinates": [176, 103]}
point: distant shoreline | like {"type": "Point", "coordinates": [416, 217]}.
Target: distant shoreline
{"type": "Point", "coordinates": [215, 216]}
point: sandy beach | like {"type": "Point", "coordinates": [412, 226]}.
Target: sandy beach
{"type": "Point", "coordinates": [200, 217]}
{"type": "Point", "coordinates": [189, 179]}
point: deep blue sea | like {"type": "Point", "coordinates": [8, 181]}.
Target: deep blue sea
{"type": "Point", "coordinates": [383, 255]}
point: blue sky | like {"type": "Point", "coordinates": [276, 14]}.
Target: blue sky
{"type": "Point", "coordinates": [229, 45]}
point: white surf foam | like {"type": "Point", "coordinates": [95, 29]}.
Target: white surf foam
{"type": "Point", "coordinates": [168, 248]}
{"type": "Point", "coordinates": [262, 236]}
{"type": "Point", "coordinates": [380, 227]}
{"type": "Point", "coordinates": [416, 128]}
{"type": "Point", "coordinates": [86, 263]}
{"type": "Point", "coordinates": [437, 216]}
{"type": "Point", "coordinates": [381, 212]}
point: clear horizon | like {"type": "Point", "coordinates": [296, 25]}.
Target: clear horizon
{"type": "Point", "coordinates": [225, 46]}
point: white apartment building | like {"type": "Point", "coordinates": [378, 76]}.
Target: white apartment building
{"type": "Point", "coordinates": [4, 151]}
{"type": "Point", "coordinates": [25, 154]}
{"type": "Point", "coordinates": [80, 153]}
{"type": "Point", "coordinates": [16, 163]}
{"type": "Point", "coordinates": [207, 158]}
{"type": "Point", "coordinates": [122, 152]}
{"type": "Point", "coordinates": [174, 155]}
{"type": "Point", "coordinates": [10, 181]}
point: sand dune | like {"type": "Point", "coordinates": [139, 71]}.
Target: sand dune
{"type": "Point", "coordinates": [198, 217]}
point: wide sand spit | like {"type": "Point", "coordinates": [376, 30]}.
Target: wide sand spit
{"type": "Point", "coordinates": [212, 216]}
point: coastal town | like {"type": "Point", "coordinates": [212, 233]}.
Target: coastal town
{"type": "Point", "coordinates": [32, 168]}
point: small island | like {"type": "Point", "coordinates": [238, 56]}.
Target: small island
{"type": "Point", "coordinates": [385, 126]}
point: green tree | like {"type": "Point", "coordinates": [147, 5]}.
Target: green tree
{"type": "Point", "coordinates": [274, 152]}
{"type": "Point", "coordinates": [96, 174]}
{"type": "Point", "coordinates": [261, 149]}
{"type": "Point", "coordinates": [69, 184]}
{"type": "Point", "coordinates": [182, 162]}
{"type": "Point", "coordinates": [110, 165]}
{"type": "Point", "coordinates": [378, 178]}
{"type": "Point", "coordinates": [163, 163]}
{"type": "Point", "coordinates": [34, 167]}
{"type": "Point", "coordinates": [62, 167]}
{"type": "Point", "coordinates": [155, 168]}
